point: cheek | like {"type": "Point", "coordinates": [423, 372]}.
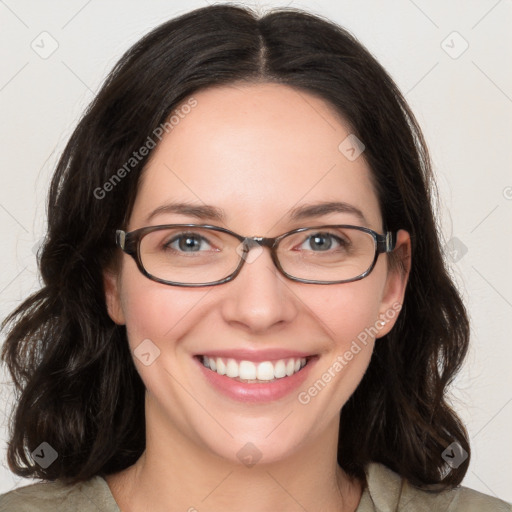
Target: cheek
{"type": "Point", "coordinates": [157, 319]}
{"type": "Point", "coordinates": [346, 310]}
{"type": "Point", "coordinates": [155, 311]}
{"type": "Point", "coordinates": [350, 315]}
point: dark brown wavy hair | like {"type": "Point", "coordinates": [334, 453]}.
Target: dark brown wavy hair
{"type": "Point", "coordinates": [76, 384]}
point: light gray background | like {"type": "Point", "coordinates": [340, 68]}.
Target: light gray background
{"type": "Point", "coordinates": [463, 101]}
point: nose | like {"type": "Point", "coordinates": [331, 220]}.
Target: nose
{"type": "Point", "coordinates": [260, 297]}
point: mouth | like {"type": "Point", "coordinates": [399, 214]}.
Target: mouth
{"type": "Point", "coordinates": [254, 372]}
{"type": "Point", "coordinates": [255, 376]}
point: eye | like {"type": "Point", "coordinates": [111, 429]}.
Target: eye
{"type": "Point", "coordinates": [186, 242]}
{"type": "Point", "coordinates": [324, 241]}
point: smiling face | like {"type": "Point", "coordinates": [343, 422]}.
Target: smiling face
{"type": "Point", "coordinates": [255, 153]}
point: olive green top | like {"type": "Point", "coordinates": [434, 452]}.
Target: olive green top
{"type": "Point", "coordinates": [386, 492]}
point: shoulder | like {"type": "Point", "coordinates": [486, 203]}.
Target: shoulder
{"type": "Point", "coordinates": [90, 495]}
{"type": "Point", "coordinates": [386, 490]}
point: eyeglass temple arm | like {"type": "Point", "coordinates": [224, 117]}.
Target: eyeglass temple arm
{"type": "Point", "coordinates": [387, 242]}
{"type": "Point", "coordinates": [120, 238]}
{"type": "Point", "coordinates": [127, 244]}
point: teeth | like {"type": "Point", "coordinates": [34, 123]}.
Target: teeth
{"type": "Point", "coordinates": [279, 369]}
{"type": "Point", "coordinates": [221, 367]}
{"type": "Point", "coordinates": [254, 372]}
{"type": "Point", "coordinates": [232, 368]}
{"type": "Point", "coordinates": [247, 370]}
{"type": "Point", "coordinates": [265, 371]}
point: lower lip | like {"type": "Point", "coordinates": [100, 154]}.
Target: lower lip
{"type": "Point", "coordinates": [264, 392]}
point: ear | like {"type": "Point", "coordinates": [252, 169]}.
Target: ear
{"type": "Point", "coordinates": [113, 296]}
{"type": "Point", "coordinates": [396, 283]}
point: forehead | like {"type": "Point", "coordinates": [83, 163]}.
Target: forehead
{"type": "Point", "coordinates": [255, 151]}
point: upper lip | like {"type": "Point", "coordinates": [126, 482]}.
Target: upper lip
{"type": "Point", "coordinates": [256, 355]}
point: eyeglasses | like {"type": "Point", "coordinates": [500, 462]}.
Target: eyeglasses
{"type": "Point", "coordinates": [204, 255]}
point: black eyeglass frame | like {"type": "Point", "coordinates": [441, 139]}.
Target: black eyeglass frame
{"type": "Point", "coordinates": [129, 242]}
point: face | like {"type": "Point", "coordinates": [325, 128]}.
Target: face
{"type": "Point", "coordinates": [256, 152]}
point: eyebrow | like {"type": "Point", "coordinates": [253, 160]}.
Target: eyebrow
{"type": "Point", "coordinates": [324, 208]}
{"type": "Point", "coordinates": [199, 211]}
{"type": "Point", "coordinates": [209, 212]}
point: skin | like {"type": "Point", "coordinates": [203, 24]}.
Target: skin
{"type": "Point", "coordinates": [256, 151]}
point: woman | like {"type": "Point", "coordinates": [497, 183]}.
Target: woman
{"type": "Point", "coordinates": [245, 305]}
